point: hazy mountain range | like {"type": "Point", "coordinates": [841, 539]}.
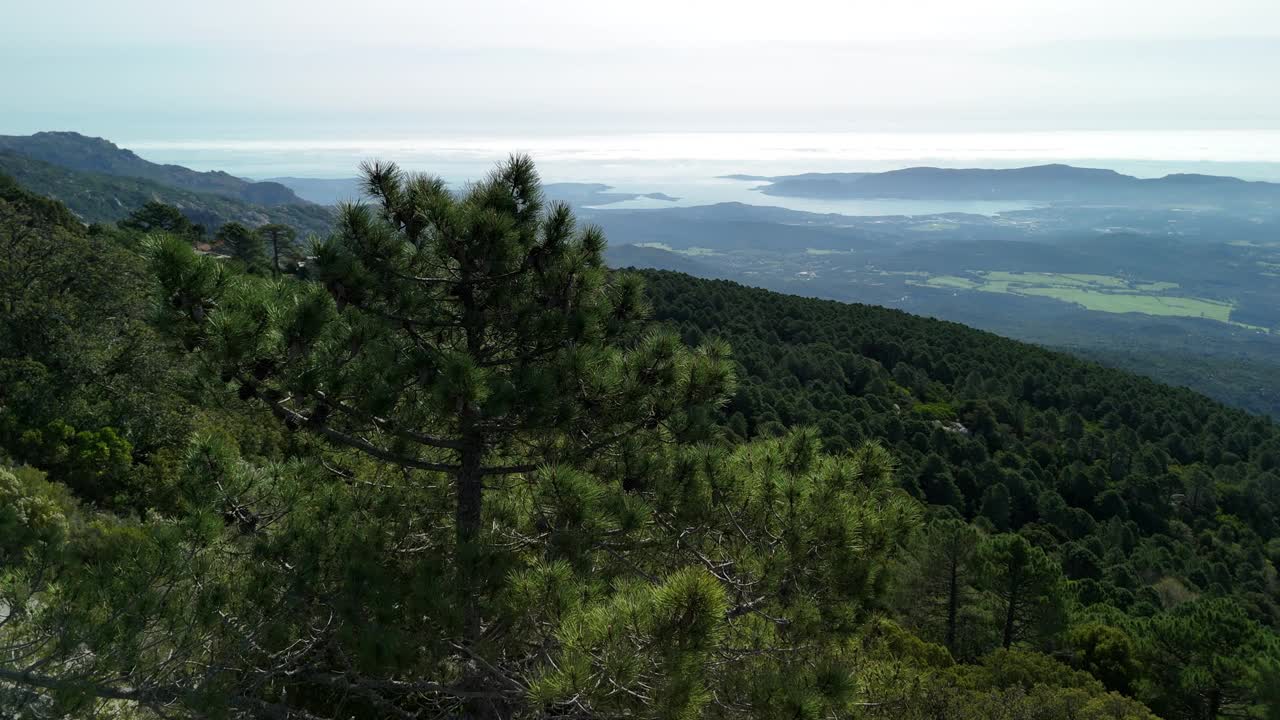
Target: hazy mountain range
{"type": "Point", "coordinates": [101, 182]}
{"type": "Point", "coordinates": [1041, 183]}
{"type": "Point", "coordinates": [74, 151]}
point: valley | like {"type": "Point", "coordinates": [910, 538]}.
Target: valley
{"type": "Point", "coordinates": [1152, 289]}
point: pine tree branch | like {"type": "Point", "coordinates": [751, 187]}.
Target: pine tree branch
{"type": "Point", "coordinates": [370, 687]}
{"type": "Point", "coordinates": [288, 414]}
{"type": "Point", "coordinates": [388, 426]}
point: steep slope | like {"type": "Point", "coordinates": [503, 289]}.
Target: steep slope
{"type": "Point", "coordinates": [74, 151]}
{"type": "Point", "coordinates": [1146, 486]}
{"type": "Point", "coordinates": [95, 197]}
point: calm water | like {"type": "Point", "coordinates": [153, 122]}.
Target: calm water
{"type": "Point", "coordinates": [689, 165]}
{"type": "Point", "coordinates": [712, 190]}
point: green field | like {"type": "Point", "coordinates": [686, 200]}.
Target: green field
{"type": "Point", "coordinates": [692, 252]}
{"type": "Point", "coordinates": [1055, 279]}
{"type": "Point", "coordinates": [1156, 286]}
{"type": "Point", "coordinates": [1103, 293]}
{"type": "Point", "coordinates": [952, 281]}
{"type": "Point", "coordinates": [1129, 303]}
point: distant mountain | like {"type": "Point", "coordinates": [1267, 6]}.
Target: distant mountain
{"type": "Point", "coordinates": [1041, 183]}
{"type": "Point", "coordinates": [333, 191]}
{"type": "Point", "coordinates": [99, 197]}
{"type": "Point", "coordinates": [74, 151]}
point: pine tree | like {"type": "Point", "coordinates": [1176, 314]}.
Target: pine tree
{"type": "Point", "coordinates": [158, 217]}
{"type": "Point", "coordinates": [941, 591]}
{"type": "Point", "coordinates": [243, 244]}
{"type": "Point", "coordinates": [277, 235]}
{"type": "Point", "coordinates": [476, 336]}
{"type": "Point", "coordinates": [996, 506]}
{"type": "Point", "coordinates": [492, 372]}
{"type": "Point", "coordinates": [937, 484]}
{"type": "Point", "coordinates": [1026, 582]}
{"type": "Point", "coordinates": [1208, 660]}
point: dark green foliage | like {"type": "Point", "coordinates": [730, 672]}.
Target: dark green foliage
{"type": "Point", "coordinates": [1027, 584]}
{"type": "Point", "coordinates": [937, 591]}
{"type": "Point", "coordinates": [159, 217]}
{"type": "Point", "coordinates": [86, 388]}
{"type": "Point", "coordinates": [937, 485]}
{"type": "Point", "coordinates": [1107, 653]}
{"type": "Point", "coordinates": [1147, 496]}
{"type": "Point", "coordinates": [244, 245]}
{"type": "Point", "coordinates": [1207, 660]}
{"type": "Point", "coordinates": [96, 465]}
{"type": "Point", "coordinates": [1078, 449]}
{"type": "Point", "coordinates": [277, 236]}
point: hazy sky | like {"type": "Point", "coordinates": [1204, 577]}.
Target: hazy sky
{"type": "Point", "coordinates": [314, 68]}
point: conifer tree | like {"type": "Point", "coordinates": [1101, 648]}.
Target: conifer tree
{"type": "Point", "coordinates": [276, 234]}
{"type": "Point", "coordinates": [477, 336]}
{"type": "Point", "coordinates": [1208, 660]}
{"type": "Point", "coordinates": [156, 216]}
{"type": "Point", "coordinates": [939, 591]}
{"type": "Point", "coordinates": [1026, 582]}
{"type": "Point", "coordinates": [937, 484]}
{"type": "Point", "coordinates": [506, 500]}
{"type": "Point", "coordinates": [244, 244]}
{"type": "Point", "coordinates": [996, 506]}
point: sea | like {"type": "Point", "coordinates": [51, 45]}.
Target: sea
{"type": "Point", "coordinates": [693, 166]}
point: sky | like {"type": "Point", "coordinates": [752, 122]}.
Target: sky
{"type": "Point", "coordinates": [245, 69]}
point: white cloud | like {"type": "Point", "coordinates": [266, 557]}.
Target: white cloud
{"type": "Point", "coordinates": [725, 63]}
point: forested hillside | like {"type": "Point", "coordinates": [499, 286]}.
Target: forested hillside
{"type": "Point", "coordinates": [1007, 433]}
{"type": "Point", "coordinates": [457, 470]}
{"type": "Point", "coordinates": [74, 151]}
{"type": "Point", "coordinates": [97, 197]}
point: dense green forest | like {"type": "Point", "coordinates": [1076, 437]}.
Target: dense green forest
{"type": "Point", "coordinates": [458, 468]}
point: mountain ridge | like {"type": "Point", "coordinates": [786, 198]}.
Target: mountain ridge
{"type": "Point", "coordinates": [83, 153]}
{"type": "Point", "coordinates": [1054, 182]}
{"type": "Point", "coordinates": [99, 197]}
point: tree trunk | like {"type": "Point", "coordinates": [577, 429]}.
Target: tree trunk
{"type": "Point", "coordinates": [1012, 610]}
{"type": "Point", "coordinates": [1215, 704]}
{"type": "Point", "coordinates": [469, 482]}
{"type": "Point", "coordinates": [953, 605]}
{"type": "Point", "coordinates": [469, 516]}
{"type": "Point", "coordinates": [469, 487]}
